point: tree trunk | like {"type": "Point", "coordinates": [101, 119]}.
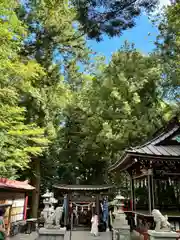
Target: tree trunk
{"type": "Point", "coordinates": [35, 180]}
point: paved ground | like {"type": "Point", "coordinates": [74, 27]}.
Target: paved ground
{"type": "Point", "coordinates": [76, 235]}
{"type": "Point", "coordinates": [32, 236]}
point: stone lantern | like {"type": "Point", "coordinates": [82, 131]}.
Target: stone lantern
{"type": "Point", "coordinates": [121, 229]}
{"type": "Point", "coordinates": [48, 201]}
{"type": "Point", "coordinates": [51, 229]}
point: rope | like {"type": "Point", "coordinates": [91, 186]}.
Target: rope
{"type": "Point", "coordinates": [83, 206]}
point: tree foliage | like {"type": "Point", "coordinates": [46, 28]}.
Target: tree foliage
{"type": "Point", "coordinates": [117, 108]}
{"type": "Point", "coordinates": [57, 46]}
{"type": "Point", "coordinates": [19, 141]}
{"type": "Point", "coordinates": [168, 44]}
{"type": "Point", "coordinates": [109, 17]}
{"type": "Point", "coordinates": [87, 118]}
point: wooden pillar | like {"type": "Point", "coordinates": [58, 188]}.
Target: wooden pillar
{"type": "Point", "coordinates": [35, 181]}
{"type": "Point", "coordinates": [107, 227]}
{"type": "Point", "coordinates": [25, 207]}
{"type": "Point", "coordinates": [97, 206]}
{"type": "Point", "coordinates": [150, 190]}
{"type": "Point", "coordinates": [133, 194]}
{"type": "Point", "coordinates": [153, 191]}
{"type": "Point", "coordinates": [67, 209]}
{"type": "Point", "coordinates": [9, 221]}
{"type": "Point", "coordinates": [149, 193]}
{"type": "Point", "coordinates": [158, 190]}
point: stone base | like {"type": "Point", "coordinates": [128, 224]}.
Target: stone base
{"type": "Point", "coordinates": [163, 235]}
{"type": "Point", "coordinates": [51, 234]}
{"type": "Point", "coordinates": [123, 233]}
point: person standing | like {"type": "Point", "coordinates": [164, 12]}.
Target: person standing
{"type": "Point", "coordinates": [2, 226]}
{"type": "Point", "coordinates": [94, 226]}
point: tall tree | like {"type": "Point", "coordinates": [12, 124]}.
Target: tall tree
{"type": "Point", "coordinates": [168, 50]}
{"type": "Point", "coordinates": [19, 141]}
{"type": "Point", "coordinates": [110, 17]}
{"type": "Point", "coordinates": [168, 46]}
{"type": "Point", "coordinates": [117, 108]}
{"type": "Point", "coordinates": [56, 45]}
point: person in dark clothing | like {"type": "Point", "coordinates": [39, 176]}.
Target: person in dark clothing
{"type": "Point", "coordinates": [2, 226]}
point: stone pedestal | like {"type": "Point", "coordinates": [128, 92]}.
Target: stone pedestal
{"type": "Point", "coordinates": [122, 233]}
{"type": "Point", "coordinates": [51, 234]}
{"type": "Point", "coordinates": [163, 235]}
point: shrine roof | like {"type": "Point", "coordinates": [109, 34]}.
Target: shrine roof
{"type": "Point", "coordinates": [150, 149]}
{"type": "Point", "coordinates": [14, 184]}
{"type": "Point", "coordinates": [82, 187]}
{"type": "Point", "coordinates": [165, 146]}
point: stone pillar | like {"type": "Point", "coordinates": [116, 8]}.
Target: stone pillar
{"type": "Point", "coordinates": [53, 234]}
{"type": "Point", "coordinates": [154, 235]}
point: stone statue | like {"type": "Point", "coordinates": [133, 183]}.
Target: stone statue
{"type": "Point", "coordinates": [162, 224]}
{"type": "Point", "coordinates": [58, 215]}
{"type": "Point", "coordinates": [53, 221]}
{"type": "Point", "coordinates": [51, 210]}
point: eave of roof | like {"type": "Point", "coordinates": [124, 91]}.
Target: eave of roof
{"type": "Point", "coordinates": [151, 149]}
{"type": "Point", "coordinates": [82, 187]}
{"type": "Point", "coordinates": [163, 151]}
{"type": "Point", "coordinates": [123, 163]}
{"type": "Point", "coordinates": [161, 137]}
{"type": "Point", "coordinates": [13, 185]}
{"type": "Point", "coordinates": [129, 158]}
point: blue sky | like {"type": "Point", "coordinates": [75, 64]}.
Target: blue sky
{"type": "Point", "coordinates": [143, 36]}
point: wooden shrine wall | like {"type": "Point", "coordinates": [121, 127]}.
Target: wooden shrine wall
{"type": "Point", "coordinates": [18, 203]}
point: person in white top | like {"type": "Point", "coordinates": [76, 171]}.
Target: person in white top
{"type": "Point", "coordinates": [94, 226]}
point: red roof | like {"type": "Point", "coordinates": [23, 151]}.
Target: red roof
{"type": "Point", "coordinates": [13, 184]}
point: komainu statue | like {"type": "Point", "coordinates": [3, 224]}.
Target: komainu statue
{"type": "Point", "coordinates": [162, 224]}
{"type": "Point", "coordinates": [53, 221]}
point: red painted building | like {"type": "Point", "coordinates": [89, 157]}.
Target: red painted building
{"type": "Point", "coordinates": [14, 198]}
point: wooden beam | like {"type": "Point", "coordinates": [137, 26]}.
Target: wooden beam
{"type": "Point", "coordinates": [143, 175]}
{"type": "Point", "coordinates": [9, 221]}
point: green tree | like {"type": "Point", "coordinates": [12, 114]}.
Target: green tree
{"type": "Point", "coordinates": [168, 50]}
{"type": "Point", "coordinates": [57, 46]}
{"type": "Point", "coordinates": [19, 141]}
{"type": "Point", "coordinates": [168, 47]}
{"type": "Point", "coordinates": [109, 17]}
{"type": "Point", "coordinates": [119, 107]}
